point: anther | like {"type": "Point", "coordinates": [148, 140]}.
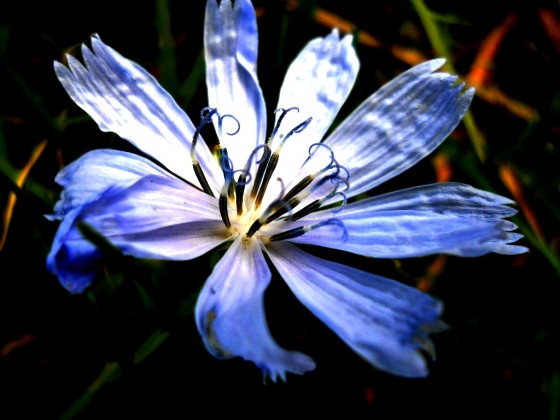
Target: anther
{"type": "Point", "coordinates": [227, 189]}
{"type": "Point", "coordinates": [274, 210]}
{"type": "Point", "coordinates": [270, 167]}
{"type": "Point", "coordinates": [273, 161]}
{"type": "Point", "coordinates": [263, 163]}
{"type": "Point", "coordinates": [304, 183]}
{"type": "Point", "coordinates": [315, 205]}
{"type": "Point", "coordinates": [295, 232]}
{"type": "Point", "coordinates": [243, 178]}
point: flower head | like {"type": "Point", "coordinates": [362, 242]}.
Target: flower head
{"type": "Point", "coordinates": [272, 188]}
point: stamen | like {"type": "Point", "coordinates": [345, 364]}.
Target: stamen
{"type": "Point", "coordinates": [227, 169]}
{"type": "Point", "coordinates": [344, 201]}
{"type": "Point", "coordinates": [273, 211]}
{"type": "Point", "coordinates": [263, 163]}
{"type": "Point", "coordinates": [224, 210]}
{"type": "Point", "coordinates": [205, 115]}
{"type": "Point", "coordinates": [227, 189]}
{"type": "Point", "coordinates": [220, 124]}
{"type": "Point", "coordinates": [286, 207]}
{"type": "Point", "coordinates": [304, 183]}
{"type": "Point", "coordinates": [316, 146]}
{"type": "Point", "coordinates": [294, 233]}
{"type": "Point", "coordinates": [316, 205]}
{"type": "Point", "coordinates": [273, 162]}
{"type": "Point", "coordinates": [310, 208]}
{"type": "Point", "coordinates": [280, 118]}
{"type": "Point", "coordinates": [242, 180]}
{"type": "Point", "coordinates": [298, 129]}
{"type": "Point", "coordinates": [300, 186]}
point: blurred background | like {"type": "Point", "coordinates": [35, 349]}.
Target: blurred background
{"type": "Point", "coordinates": [129, 346]}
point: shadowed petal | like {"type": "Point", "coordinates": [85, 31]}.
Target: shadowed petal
{"type": "Point", "coordinates": [125, 99]}
{"type": "Point", "coordinates": [230, 313]}
{"type": "Point", "coordinates": [385, 322]}
{"type": "Point", "coordinates": [398, 125]}
{"type": "Point", "coordinates": [317, 82]}
{"type": "Point", "coordinates": [156, 217]}
{"type": "Point", "coordinates": [96, 171]}
{"type": "Point", "coordinates": [72, 258]}
{"type": "Point", "coordinates": [230, 41]}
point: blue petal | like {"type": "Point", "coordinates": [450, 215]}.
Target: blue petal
{"type": "Point", "coordinates": [397, 126]}
{"type": "Point", "coordinates": [156, 217]}
{"type": "Point", "coordinates": [450, 198]}
{"type": "Point", "coordinates": [385, 322]}
{"type": "Point", "coordinates": [230, 313]}
{"type": "Point", "coordinates": [74, 260]}
{"type": "Point", "coordinates": [231, 42]}
{"type": "Point", "coordinates": [96, 171]}
{"type": "Point", "coordinates": [410, 233]}
{"type": "Point", "coordinates": [317, 83]}
{"type": "Point", "coordinates": [124, 98]}
{"type": "Point", "coordinates": [449, 218]}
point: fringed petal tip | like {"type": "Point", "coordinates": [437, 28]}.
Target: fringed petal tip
{"type": "Point", "coordinates": [501, 242]}
{"type": "Point", "coordinates": [230, 314]}
{"type": "Point", "coordinates": [407, 352]}
{"type": "Point", "coordinates": [300, 364]}
{"type": "Point", "coordinates": [222, 342]}
{"type": "Point", "coordinates": [385, 322]}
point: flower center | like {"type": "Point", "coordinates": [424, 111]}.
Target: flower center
{"type": "Point", "coordinates": [245, 202]}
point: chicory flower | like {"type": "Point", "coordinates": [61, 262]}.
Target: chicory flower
{"type": "Point", "coordinates": [270, 194]}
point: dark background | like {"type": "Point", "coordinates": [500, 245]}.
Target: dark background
{"type": "Point", "coordinates": [129, 345]}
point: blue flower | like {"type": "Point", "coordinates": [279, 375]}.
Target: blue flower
{"type": "Point", "coordinates": [267, 195]}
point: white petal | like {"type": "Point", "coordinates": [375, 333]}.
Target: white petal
{"type": "Point", "coordinates": [230, 41]}
{"type": "Point", "coordinates": [317, 83]}
{"type": "Point", "coordinates": [382, 320]}
{"type": "Point", "coordinates": [397, 126]}
{"type": "Point", "coordinates": [230, 313]}
{"type": "Point", "coordinates": [125, 99]}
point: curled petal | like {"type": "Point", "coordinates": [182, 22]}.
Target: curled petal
{"type": "Point", "coordinates": [95, 172]}
{"type": "Point", "coordinates": [398, 125]}
{"type": "Point", "coordinates": [230, 313]}
{"type": "Point", "coordinates": [156, 217]}
{"type": "Point", "coordinates": [73, 259]}
{"type": "Point", "coordinates": [385, 322]}
{"type": "Point", "coordinates": [125, 99]}
{"type": "Point", "coordinates": [230, 45]}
